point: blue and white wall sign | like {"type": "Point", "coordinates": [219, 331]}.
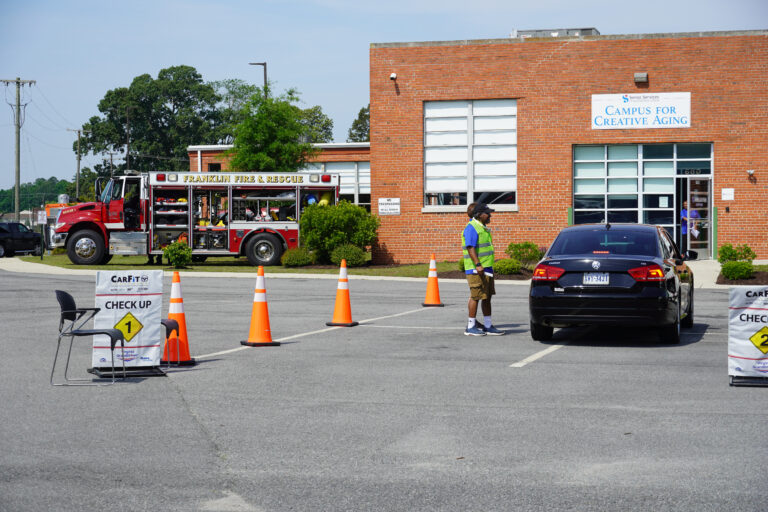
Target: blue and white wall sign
{"type": "Point", "coordinates": [641, 110]}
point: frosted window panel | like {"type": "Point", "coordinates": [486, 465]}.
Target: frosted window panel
{"type": "Point", "coordinates": [589, 170]}
{"type": "Point", "coordinates": [658, 169]}
{"type": "Point", "coordinates": [495, 153]}
{"type": "Point", "coordinates": [445, 185]}
{"type": "Point", "coordinates": [364, 167]}
{"type": "Point", "coordinates": [623, 152]}
{"type": "Point", "coordinates": [448, 154]}
{"type": "Point", "coordinates": [494, 107]}
{"type": "Point", "coordinates": [446, 170]}
{"type": "Point", "coordinates": [312, 167]}
{"type": "Point", "coordinates": [450, 124]}
{"type": "Point", "coordinates": [622, 185]}
{"type": "Point", "coordinates": [589, 153]}
{"type": "Point", "coordinates": [339, 166]}
{"type": "Point", "coordinates": [500, 137]}
{"type": "Point", "coordinates": [659, 185]}
{"type": "Point", "coordinates": [496, 123]}
{"type": "Point", "coordinates": [445, 108]}
{"type": "Point", "coordinates": [446, 139]}
{"type": "Point", "coordinates": [347, 189]}
{"type": "Point", "coordinates": [495, 183]}
{"type": "Point", "coordinates": [496, 169]}
{"type": "Point", "coordinates": [622, 169]}
{"type": "Point", "coordinates": [589, 186]}
{"type": "Point", "coordinates": [364, 177]}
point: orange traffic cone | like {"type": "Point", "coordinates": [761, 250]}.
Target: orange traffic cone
{"type": "Point", "coordinates": [177, 348]}
{"type": "Point", "coordinates": [432, 298]}
{"type": "Point", "coordinates": [342, 312]}
{"type": "Point", "coordinates": [259, 335]}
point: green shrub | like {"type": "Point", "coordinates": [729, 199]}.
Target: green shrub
{"type": "Point", "coordinates": [354, 255]}
{"type": "Point", "coordinates": [506, 266]}
{"type": "Point", "coordinates": [527, 253]}
{"type": "Point", "coordinates": [179, 254]}
{"type": "Point", "coordinates": [740, 253]}
{"type": "Point", "coordinates": [324, 228]}
{"type": "Point", "coordinates": [737, 269]}
{"type": "Point", "coordinates": [298, 257]}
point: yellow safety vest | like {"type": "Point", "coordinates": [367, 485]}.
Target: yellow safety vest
{"type": "Point", "coordinates": [484, 248]}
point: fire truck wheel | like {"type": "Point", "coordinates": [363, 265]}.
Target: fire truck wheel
{"type": "Point", "coordinates": [106, 259]}
{"type": "Point", "coordinates": [85, 248]}
{"type": "Point", "coordinates": [264, 249]}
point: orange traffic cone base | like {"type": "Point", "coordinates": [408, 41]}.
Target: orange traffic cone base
{"type": "Point", "coordinates": [260, 344]}
{"type": "Point", "coordinates": [432, 305]}
{"type": "Point", "coordinates": [190, 362]}
{"type": "Point", "coordinates": [339, 324]}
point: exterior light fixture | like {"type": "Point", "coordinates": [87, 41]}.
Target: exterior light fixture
{"type": "Point", "coordinates": [641, 78]}
{"type": "Point", "coordinates": [751, 172]}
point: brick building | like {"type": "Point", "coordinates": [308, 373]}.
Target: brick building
{"type": "Point", "coordinates": [555, 129]}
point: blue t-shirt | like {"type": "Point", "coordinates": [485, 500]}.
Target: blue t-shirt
{"type": "Point", "coordinates": [471, 237]}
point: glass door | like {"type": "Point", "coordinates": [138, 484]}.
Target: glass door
{"type": "Point", "coordinates": [694, 219]}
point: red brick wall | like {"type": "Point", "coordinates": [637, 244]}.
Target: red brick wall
{"type": "Point", "coordinates": [553, 81]}
{"type": "Point", "coordinates": [355, 154]}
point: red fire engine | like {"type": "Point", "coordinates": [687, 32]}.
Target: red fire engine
{"type": "Point", "coordinates": [216, 214]}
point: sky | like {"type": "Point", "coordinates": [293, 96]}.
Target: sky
{"type": "Point", "coordinates": [76, 51]}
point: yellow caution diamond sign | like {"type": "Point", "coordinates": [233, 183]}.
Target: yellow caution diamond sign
{"type": "Point", "coordinates": [760, 340]}
{"type": "Point", "coordinates": [130, 326]}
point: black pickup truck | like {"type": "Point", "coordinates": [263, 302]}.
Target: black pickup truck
{"type": "Point", "coordinates": [16, 238]}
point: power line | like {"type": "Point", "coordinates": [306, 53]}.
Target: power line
{"type": "Point", "coordinates": [67, 121]}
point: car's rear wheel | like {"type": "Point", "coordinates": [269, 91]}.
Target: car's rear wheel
{"type": "Point", "coordinates": [688, 320]}
{"type": "Point", "coordinates": [3, 252]}
{"type": "Point", "coordinates": [671, 333]}
{"type": "Point", "coordinates": [541, 332]}
{"type": "Point", "coordinates": [38, 250]}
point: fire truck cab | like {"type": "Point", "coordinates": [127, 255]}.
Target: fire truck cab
{"type": "Point", "coordinates": [217, 214]}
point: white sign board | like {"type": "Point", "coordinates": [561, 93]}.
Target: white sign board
{"type": "Point", "coordinates": [130, 301]}
{"type": "Point", "coordinates": [41, 218]}
{"type": "Point", "coordinates": [389, 206]}
{"type": "Point", "coordinates": [727, 194]}
{"type": "Point", "coordinates": [641, 110]}
{"type": "Point", "coordinates": [748, 332]}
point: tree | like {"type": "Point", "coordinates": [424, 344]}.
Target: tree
{"type": "Point", "coordinates": [269, 137]}
{"type": "Point", "coordinates": [360, 131]}
{"type": "Point", "coordinates": [233, 95]}
{"type": "Point", "coordinates": [87, 185]}
{"type": "Point", "coordinates": [157, 118]}
{"type": "Point", "coordinates": [319, 126]}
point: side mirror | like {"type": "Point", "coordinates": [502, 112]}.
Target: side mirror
{"type": "Point", "coordinates": [97, 187]}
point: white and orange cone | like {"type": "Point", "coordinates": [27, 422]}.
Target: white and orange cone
{"type": "Point", "coordinates": [432, 299]}
{"type": "Point", "coordinates": [177, 346]}
{"type": "Point", "coordinates": [342, 312]}
{"type": "Point", "coordinates": [259, 334]}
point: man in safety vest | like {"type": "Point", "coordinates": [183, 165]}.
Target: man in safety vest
{"type": "Point", "coordinates": [477, 245]}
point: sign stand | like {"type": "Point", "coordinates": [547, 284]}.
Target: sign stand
{"type": "Point", "coordinates": [130, 301]}
{"type": "Point", "coordinates": [748, 336]}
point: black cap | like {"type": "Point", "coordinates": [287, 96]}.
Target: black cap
{"type": "Point", "coordinates": [482, 208]}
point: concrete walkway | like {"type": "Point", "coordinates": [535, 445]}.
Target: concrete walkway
{"type": "Point", "coordinates": [705, 272]}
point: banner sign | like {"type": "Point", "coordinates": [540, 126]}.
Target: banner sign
{"type": "Point", "coordinates": [130, 301]}
{"type": "Point", "coordinates": [643, 110]}
{"type": "Point", "coordinates": [748, 332]}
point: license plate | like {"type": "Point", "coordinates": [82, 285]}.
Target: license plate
{"type": "Point", "coordinates": [599, 278]}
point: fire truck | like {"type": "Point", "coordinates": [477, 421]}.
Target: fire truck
{"type": "Point", "coordinates": [217, 214]}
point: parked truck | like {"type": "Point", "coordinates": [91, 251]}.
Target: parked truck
{"type": "Point", "coordinates": [217, 214]}
{"type": "Point", "coordinates": [16, 238]}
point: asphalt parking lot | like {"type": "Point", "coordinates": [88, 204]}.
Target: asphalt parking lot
{"type": "Point", "coordinates": [402, 412]}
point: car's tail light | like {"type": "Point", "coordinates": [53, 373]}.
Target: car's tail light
{"type": "Point", "coordinates": [647, 273]}
{"type": "Point", "coordinates": [547, 273]}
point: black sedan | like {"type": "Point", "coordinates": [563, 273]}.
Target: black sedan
{"type": "Point", "coordinates": [616, 274]}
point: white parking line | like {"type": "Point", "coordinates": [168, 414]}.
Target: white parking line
{"type": "Point", "coordinates": [301, 335]}
{"type": "Point", "coordinates": [537, 355]}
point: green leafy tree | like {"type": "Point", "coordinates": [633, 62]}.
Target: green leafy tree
{"type": "Point", "coordinates": [318, 126]}
{"type": "Point", "coordinates": [233, 95]}
{"type": "Point", "coordinates": [157, 118]}
{"type": "Point", "coordinates": [360, 131]}
{"type": "Point", "coordinates": [269, 136]}
{"type": "Point", "coordinates": [87, 185]}
{"type": "Point", "coordinates": [33, 195]}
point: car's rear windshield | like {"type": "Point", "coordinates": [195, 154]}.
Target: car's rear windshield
{"type": "Point", "coordinates": [602, 241]}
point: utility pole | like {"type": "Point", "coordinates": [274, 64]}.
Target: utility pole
{"type": "Point", "coordinates": [77, 174]}
{"type": "Point", "coordinates": [19, 82]}
{"type": "Point", "coordinates": [265, 74]}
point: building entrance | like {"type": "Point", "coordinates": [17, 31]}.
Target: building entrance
{"type": "Point", "coordinates": [694, 226]}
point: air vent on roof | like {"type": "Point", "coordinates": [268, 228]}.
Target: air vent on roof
{"type": "Point", "coordinates": [557, 32]}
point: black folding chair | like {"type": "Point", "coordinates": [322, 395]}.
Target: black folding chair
{"type": "Point", "coordinates": [71, 326]}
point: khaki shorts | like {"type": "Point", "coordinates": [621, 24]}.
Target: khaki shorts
{"type": "Point", "coordinates": [480, 287]}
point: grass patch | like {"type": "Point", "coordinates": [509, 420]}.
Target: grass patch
{"type": "Point", "coordinates": [232, 264]}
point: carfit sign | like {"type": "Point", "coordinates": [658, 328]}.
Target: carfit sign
{"type": "Point", "coordinates": [130, 301]}
{"type": "Point", "coordinates": [748, 332]}
{"type": "Point", "coordinates": [641, 110]}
